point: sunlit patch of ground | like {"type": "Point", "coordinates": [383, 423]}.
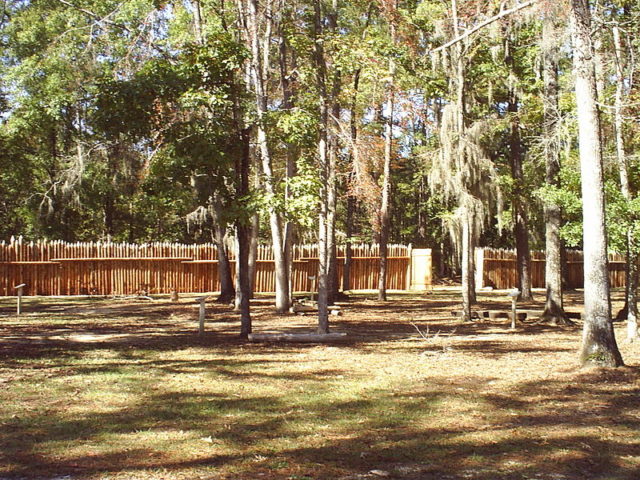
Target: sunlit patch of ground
{"type": "Point", "coordinates": [126, 389]}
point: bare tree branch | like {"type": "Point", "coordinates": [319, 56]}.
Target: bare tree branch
{"type": "Point", "coordinates": [105, 19]}
{"type": "Point", "coordinates": [95, 16]}
{"type": "Point", "coordinates": [481, 25]}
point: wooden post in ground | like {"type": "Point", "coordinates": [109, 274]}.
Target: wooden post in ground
{"type": "Point", "coordinates": [20, 289]}
{"type": "Point", "coordinates": [479, 267]}
{"type": "Point", "coordinates": [514, 298]}
{"type": "Point", "coordinates": [313, 286]}
{"type": "Point", "coordinates": [201, 314]}
{"type": "Point", "coordinates": [175, 298]}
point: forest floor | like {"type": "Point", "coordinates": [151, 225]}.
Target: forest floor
{"type": "Point", "coordinates": [126, 389]}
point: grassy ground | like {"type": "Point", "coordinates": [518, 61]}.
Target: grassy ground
{"type": "Point", "coordinates": [124, 389]}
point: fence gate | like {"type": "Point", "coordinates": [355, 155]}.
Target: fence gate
{"type": "Point", "coordinates": [420, 279]}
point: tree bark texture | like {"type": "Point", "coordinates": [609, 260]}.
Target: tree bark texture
{"type": "Point", "coordinates": [333, 145]}
{"type": "Point", "coordinates": [291, 155]}
{"type": "Point", "coordinates": [332, 200]}
{"type": "Point", "coordinates": [385, 220]}
{"type": "Point", "coordinates": [467, 270]}
{"type": "Point", "coordinates": [324, 230]}
{"type": "Point", "coordinates": [521, 220]}
{"type": "Point", "coordinates": [227, 289]}
{"type": "Point", "coordinates": [323, 240]}
{"type": "Point", "coordinates": [197, 22]}
{"type": "Point", "coordinates": [465, 210]}
{"type": "Point", "coordinates": [243, 233]}
{"type": "Point", "coordinates": [631, 270]}
{"type": "Point", "coordinates": [348, 251]}
{"type": "Point", "coordinates": [244, 289]}
{"type": "Point", "coordinates": [554, 309]}
{"type": "Point", "coordinates": [599, 345]}
{"type": "Point", "coordinates": [253, 251]}
{"type": "Point", "coordinates": [385, 216]}
{"type": "Point", "coordinates": [259, 42]}
{"type": "Point", "coordinates": [351, 199]}
{"type": "Point", "coordinates": [473, 242]}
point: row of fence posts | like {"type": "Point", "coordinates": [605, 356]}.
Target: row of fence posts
{"type": "Point", "coordinates": [497, 268]}
{"type": "Point", "coordinates": [105, 268]}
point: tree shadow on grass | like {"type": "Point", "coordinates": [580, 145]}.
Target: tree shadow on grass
{"type": "Point", "coordinates": [24, 441]}
{"type": "Point", "coordinates": [578, 433]}
{"type": "Point", "coordinates": [52, 337]}
{"type": "Point", "coordinates": [538, 430]}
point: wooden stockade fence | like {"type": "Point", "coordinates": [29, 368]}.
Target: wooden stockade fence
{"type": "Point", "coordinates": [497, 268]}
{"type": "Point", "coordinates": [97, 268]}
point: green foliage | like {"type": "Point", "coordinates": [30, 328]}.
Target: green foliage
{"type": "Point", "coordinates": [568, 200]}
{"type": "Point", "coordinates": [298, 127]}
{"type": "Point", "coordinates": [623, 217]}
{"type": "Point", "coordinates": [567, 195]}
{"type": "Point", "coordinates": [301, 206]}
{"type": "Point", "coordinates": [107, 112]}
{"type": "Point", "coordinates": [427, 13]}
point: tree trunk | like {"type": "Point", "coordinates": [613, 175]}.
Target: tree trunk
{"type": "Point", "coordinates": [599, 345]}
{"type": "Point", "coordinates": [631, 270]}
{"type": "Point", "coordinates": [255, 229]}
{"type": "Point", "coordinates": [259, 45]}
{"type": "Point", "coordinates": [227, 290]}
{"type": "Point", "coordinates": [632, 298]}
{"type": "Point", "coordinates": [520, 216]}
{"type": "Point", "coordinates": [109, 208]}
{"type": "Point", "coordinates": [109, 200]}
{"type": "Point", "coordinates": [598, 58]}
{"type": "Point", "coordinates": [323, 241]}
{"type": "Point", "coordinates": [351, 200]}
{"type": "Point", "coordinates": [324, 172]}
{"type": "Point", "coordinates": [333, 145]}
{"type": "Point", "coordinates": [332, 199]}
{"type": "Point", "coordinates": [243, 289]}
{"type": "Point", "coordinates": [467, 272]}
{"type": "Point", "coordinates": [197, 22]}
{"type": "Point", "coordinates": [464, 209]}
{"type": "Point", "coordinates": [253, 251]}
{"type": "Point", "coordinates": [553, 310]}
{"type": "Point", "coordinates": [473, 242]}
{"type": "Point", "coordinates": [384, 208]}
{"type": "Point", "coordinates": [291, 155]}
{"type": "Point", "coordinates": [348, 252]}
{"type": "Point", "coordinates": [277, 237]}
{"type": "Point", "coordinates": [243, 285]}
{"type": "Point", "coordinates": [523, 253]}
{"type": "Point", "coordinates": [243, 231]}
{"type": "Point", "coordinates": [385, 217]}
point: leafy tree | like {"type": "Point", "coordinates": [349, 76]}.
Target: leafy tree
{"type": "Point", "coordinates": [598, 341]}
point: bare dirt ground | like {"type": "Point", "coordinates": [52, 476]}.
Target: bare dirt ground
{"type": "Point", "coordinates": [126, 389]}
